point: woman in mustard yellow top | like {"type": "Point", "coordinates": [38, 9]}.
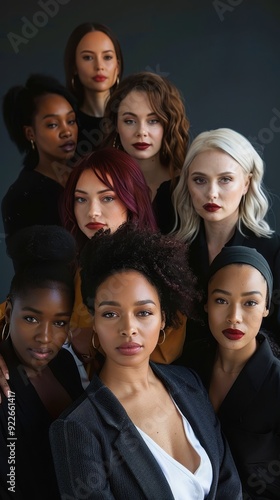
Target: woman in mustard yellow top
{"type": "Point", "coordinates": [104, 190]}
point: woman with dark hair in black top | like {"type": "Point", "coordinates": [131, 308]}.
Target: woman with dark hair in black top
{"type": "Point", "coordinates": [40, 118]}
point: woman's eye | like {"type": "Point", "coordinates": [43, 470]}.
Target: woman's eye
{"type": "Point", "coordinates": [72, 122]}
{"type": "Point", "coordinates": [225, 180]}
{"type": "Point", "coordinates": [199, 180]}
{"type": "Point", "coordinates": [30, 319]}
{"type": "Point", "coordinates": [108, 58]}
{"type": "Point", "coordinates": [220, 301]}
{"type": "Point", "coordinates": [60, 323]}
{"type": "Point", "coordinates": [129, 121]}
{"type": "Point", "coordinates": [87, 58]}
{"type": "Point", "coordinates": [144, 313]}
{"type": "Point", "coordinates": [79, 199]}
{"type": "Point", "coordinates": [251, 303]}
{"type": "Point", "coordinates": [154, 121]}
{"type": "Point", "coordinates": [107, 199]}
{"type": "Point", "coordinates": [51, 125]}
{"type": "Point", "coordinates": [109, 315]}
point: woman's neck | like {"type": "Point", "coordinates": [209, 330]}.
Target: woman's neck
{"type": "Point", "coordinates": [231, 361]}
{"type": "Point", "coordinates": [125, 381]}
{"type": "Point", "coordinates": [218, 234]}
{"type": "Point", "coordinates": [154, 172]}
{"type": "Point", "coordinates": [94, 103]}
{"type": "Point", "coordinates": [55, 170]}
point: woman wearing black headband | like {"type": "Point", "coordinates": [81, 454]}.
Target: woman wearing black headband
{"type": "Point", "coordinates": [243, 376]}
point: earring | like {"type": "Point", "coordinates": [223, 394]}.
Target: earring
{"type": "Point", "coordinates": [163, 333]}
{"type": "Point", "coordinates": [4, 332]}
{"type": "Point", "coordinates": [92, 341]}
{"type": "Point", "coordinates": [117, 81]}
{"type": "Point", "coordinates": [73, 83]}
{"type": "Point", "coordinates": [32, 144]}
{"type": "Point", "coordinates": [70, 337]}
{"type": "Point", "coordinates": [115, 143]}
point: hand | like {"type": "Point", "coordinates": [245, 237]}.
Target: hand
{"type": "Point", "coordinates": [4, 376]}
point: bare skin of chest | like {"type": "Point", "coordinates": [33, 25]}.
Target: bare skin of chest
{"type": "Point", "coordinates": [156, 415]}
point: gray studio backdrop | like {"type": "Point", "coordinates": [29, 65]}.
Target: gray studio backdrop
{"type": "Point", "coordinates": [222, 55]}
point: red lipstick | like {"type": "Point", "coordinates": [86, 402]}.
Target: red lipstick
{"type": "Point", "coordinates": [211, 207]}
{"type": "Point", "coordinates": [141, 146]}
{"type": "Point", "coordinates": [95, 226]}
{"type": "Point", "coordinates": [99, 78]}
{"type": "Point", "coordinates": [233, 334]}
{"type": "Point", "coordinates": [129, 348]}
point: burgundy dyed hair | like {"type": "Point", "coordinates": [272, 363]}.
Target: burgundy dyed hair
{"type": "Point", "coordinates": [119, 172]}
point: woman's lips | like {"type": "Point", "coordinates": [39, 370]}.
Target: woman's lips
{"type": "Point", "coordinates": [41, 354]}
{"type": "Point", "coordinates": [232, 334]}
{"type": "Point", "coordinates": [99, 78]}
{"type": "Point", "coordinates": [141, 145]}
{"type": "Point", "coordinates": [68, 146]}
{"type": "Point", "coordinates": [94, 226]}
{"type": "Point", "coordinates": [211, 207]}
{"type": "Point", "coordinates": [129, 348]}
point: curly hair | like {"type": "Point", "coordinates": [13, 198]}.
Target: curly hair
{"type": "Point", "coordinates": [254, 205]}
{"type": "Point", "coordinates": [20, 105]}
{"type": "Point", "coordinates": [161, 259]}
{"type": "Point", "coordinates": [119, 172]}
{"type": "Point", "coordinates": [44, 257]}
{"type": "Point", "coordinates": [166, 101]}
{"type": "Point", "coordinates": [73, 83]}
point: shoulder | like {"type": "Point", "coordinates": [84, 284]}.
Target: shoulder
{"type": "Point", "coordinates": [66, 371]}
{"type": "Point", "coordinates": [261, 243]}
{"type": "Point", "coordinates": [180, 375]}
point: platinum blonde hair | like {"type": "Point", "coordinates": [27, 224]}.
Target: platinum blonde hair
{"type": "Point", "coordinates": [254, 205]}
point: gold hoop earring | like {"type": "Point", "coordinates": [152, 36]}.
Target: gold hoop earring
{"type": "Point", "coordinates": [164, 336]}
{"type": "Point", "coordinates": [32, 144]}
{"type": "Point", "coordinates": [4, 332]}
{"type": "Point", "coordinates": [70, 337]}
{"type": "Point", "coordinates": [92, 341]}
{"type": "Point", "coordinates": [115, 143]}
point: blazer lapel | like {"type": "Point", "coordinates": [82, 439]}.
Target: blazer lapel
{"type": "Point", "coordinates": [129, 444]}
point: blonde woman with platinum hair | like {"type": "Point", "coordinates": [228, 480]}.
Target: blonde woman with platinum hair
{"type": "Point", "coordinates": [220, 201]}
{"type": "Point", "coordinates": [254, 204]}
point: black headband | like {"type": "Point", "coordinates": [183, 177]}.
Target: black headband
{"type": "Point", "coordinates": [243, 255]}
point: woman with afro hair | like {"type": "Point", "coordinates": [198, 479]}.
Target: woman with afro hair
{"type": "Point", "coordinates": [141, 429]}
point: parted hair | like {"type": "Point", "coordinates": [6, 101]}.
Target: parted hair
{"type": "Point", "coordinates": [161, 259]}
{"type": "Point", "coordinates": [254, 205]}
{"type": "Point", "coordinates": [19, 108]}
{"type": "Point", "coordinates": [44, 257]}
{"type": "Point", "coordinates": [119, 172]}
{"type": "Point", "coordinates": [73, 83]}
{"type": "Point", "coordinates": [167, 102]}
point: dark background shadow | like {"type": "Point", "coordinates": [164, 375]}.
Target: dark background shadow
{"type": "Point", "coordinates": [224, 56]}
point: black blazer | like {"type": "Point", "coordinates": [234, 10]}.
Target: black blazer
{"type": "Point", "coordinates": [25, 418]}
{"type": "Point", "coordinates": [268, 247]}
{"type": "Point", "coordinates": [250, 418]}
{"type": "Point", "coordinates": [198, 331]}
{"type": "Point", "coordinates": [98, 451]}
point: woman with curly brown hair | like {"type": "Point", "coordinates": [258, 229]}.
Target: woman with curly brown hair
{"type": "Point", "coordinates": [146, 117]}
